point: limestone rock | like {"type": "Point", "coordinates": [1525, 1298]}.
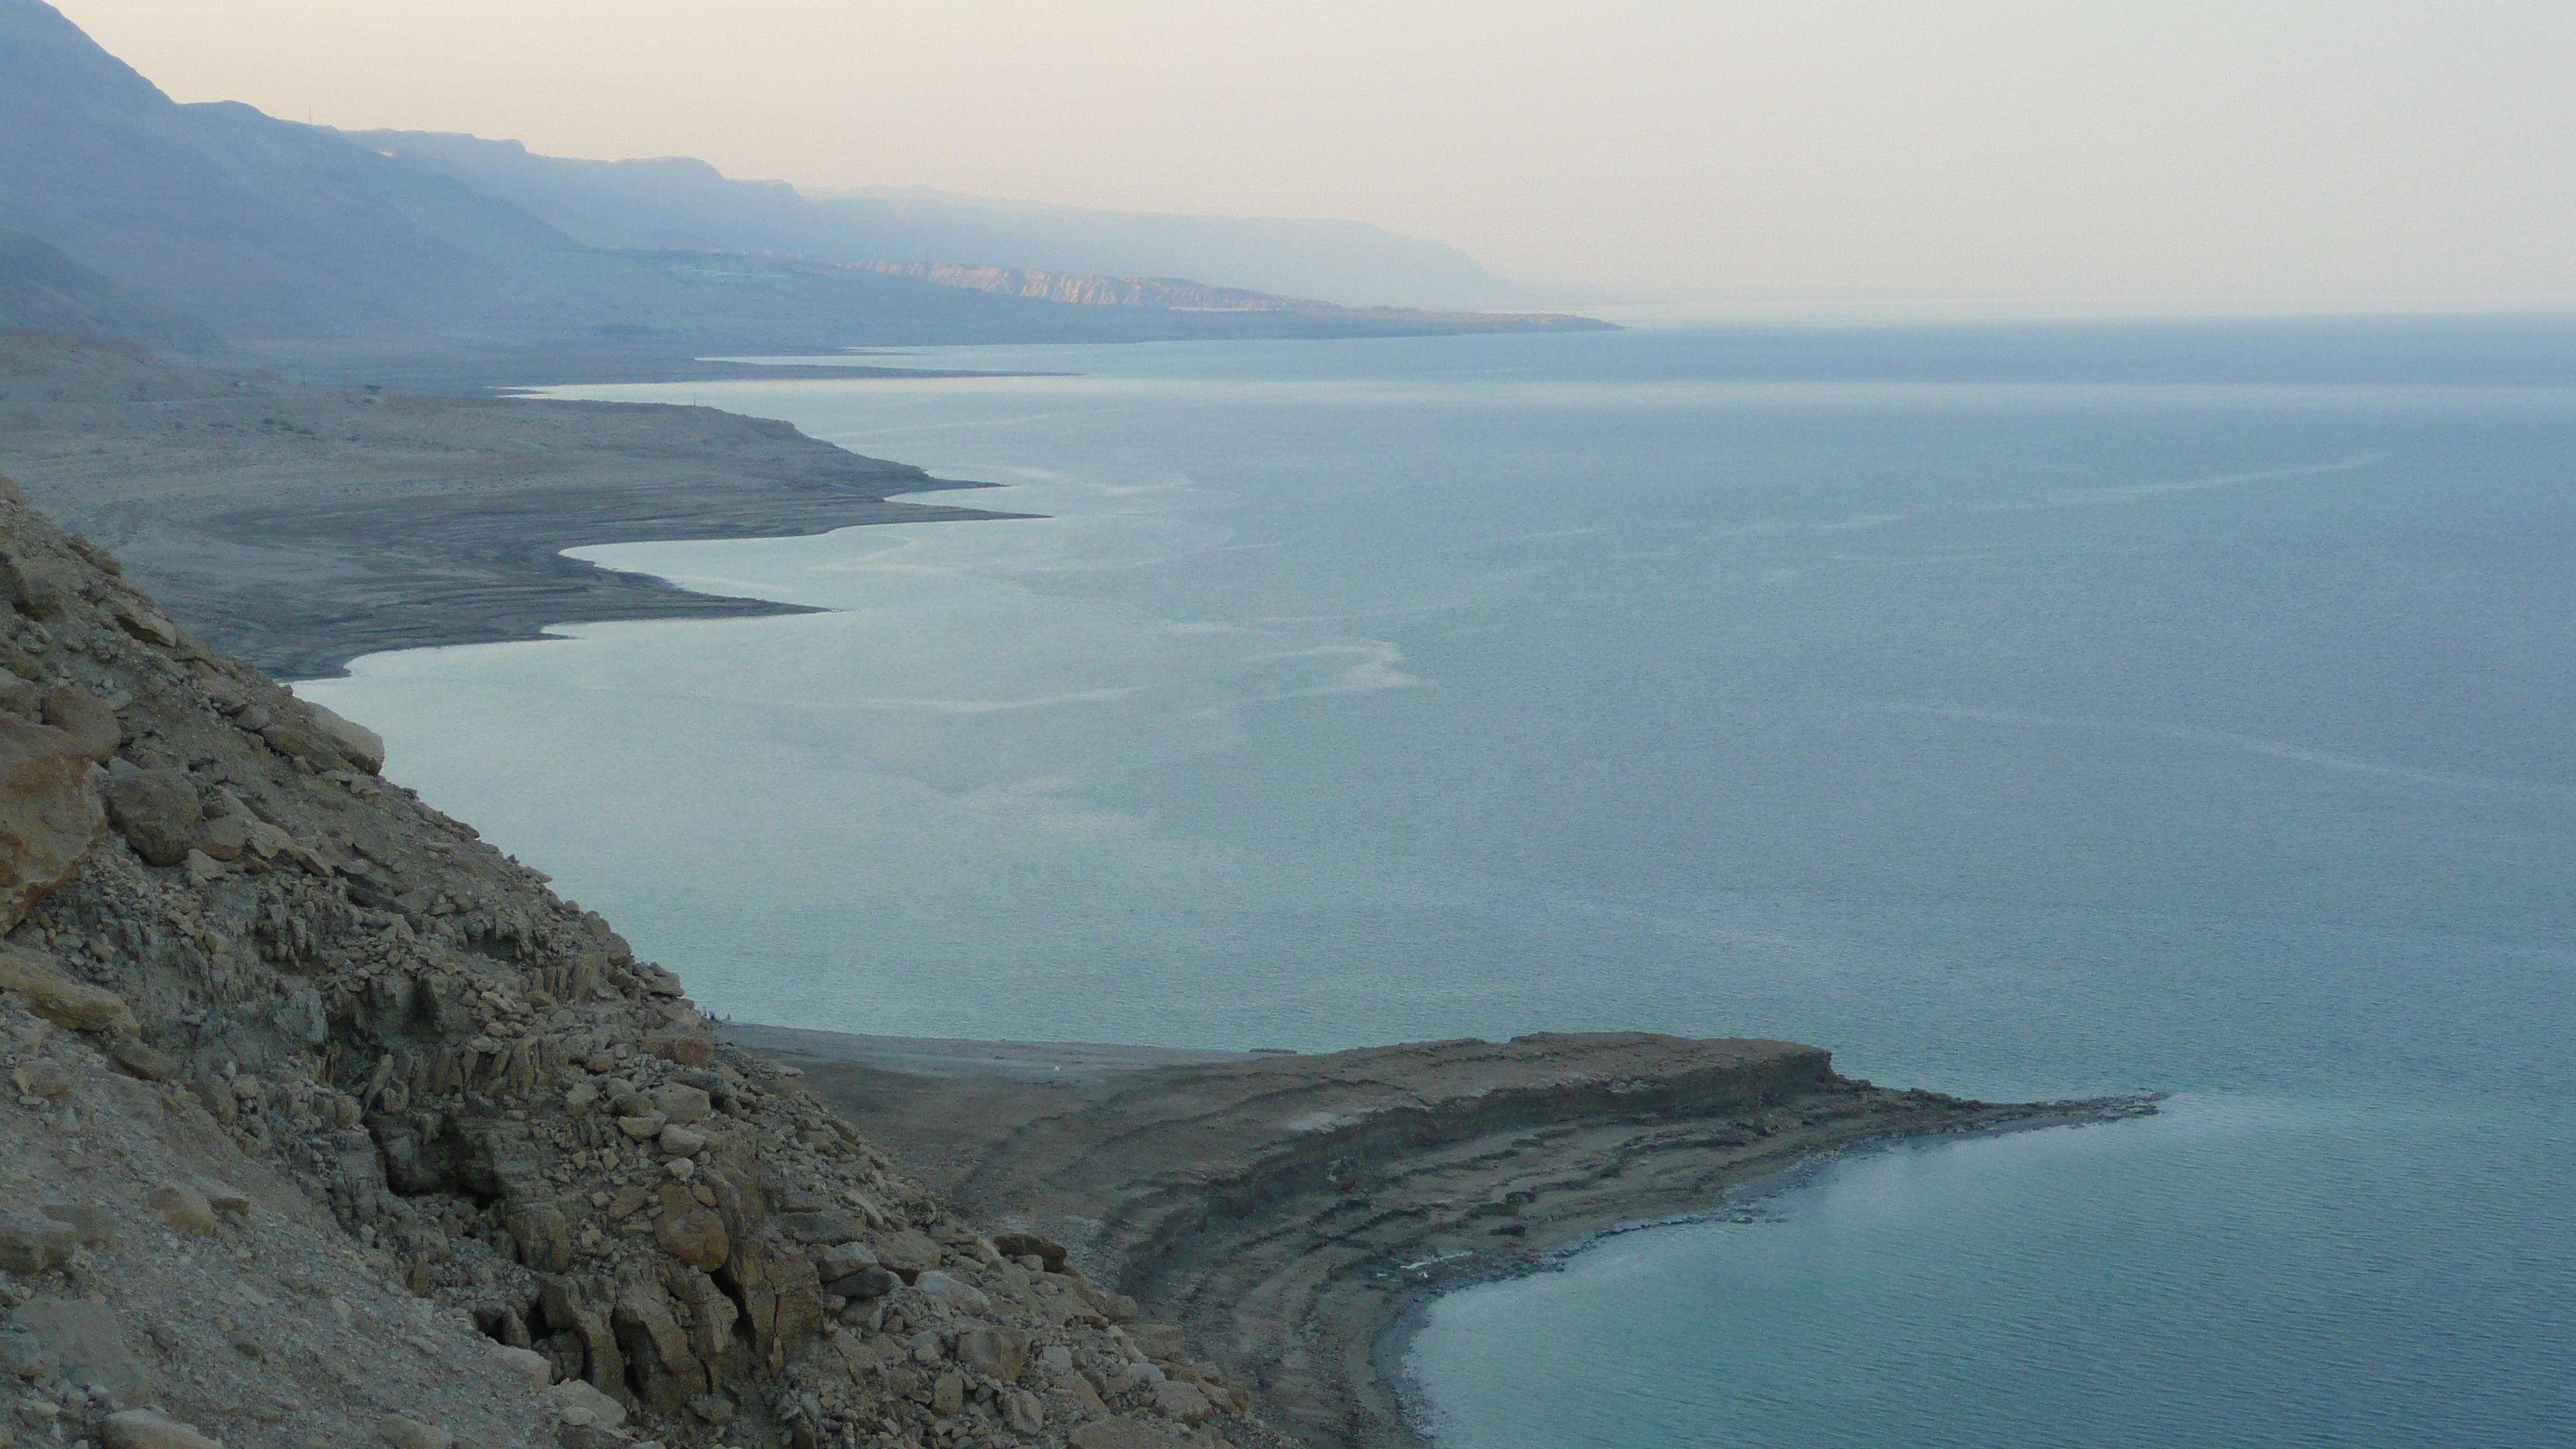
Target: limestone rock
{"type": "Point", "coordinates": [865, 1284]}
{"type": "Point", "coordinates": [695, 1236]}
{"type": "Point", "coordinates": [679, 1102]}
{"type": "Point", "coordinates": [1030, 1245]}
{"type": "Point", "coordinates": [44, 587]}
{"type": "Point", "coordinates": [1001, 1353]}
{"type": "Point", "coordinates": [528, 1365]}
{"type": "Point", "coordinates": [182, 1207]}
{"type": "Point", "coordinates": [43, 1077]}
{"type": "Point", "coordinates": [907, 1252]}
{"type": "Point", "coordinates": [829, 1226]}
{"type": "Point", "coordinates": [94, 1223]}
{"type": "Point", "coordinates": [952, 1290]}
{"type": "Point", "coordinates": [842, 1259]}
{"type": "Point", "coordinates": [49, 814]}
{"type": "Point", "coordinates": [144, 1429]}
{"type": "Point", "coordinates": [679, 1141]}
{"type": "Point", "coordinates": [1176, 1400]}
{"type": "Point", "coordinates": [573, 1395]}
{"type": "Point", "coordinates": [1023, 1414]}
{"type": "Point", "coordinates": [158, 812]}
{"type": "Point", "coordinates": [62, 1002]}
{"type": "Point", "coordinates": [148, 625]}
{"type": "Point", "coordinates": [33, 1244]}
{"type": "Point", "coordinates": [145, 1061]}
{"type": "Point", "coordinates": [88, 721]}
{"type": "Point", "coordinates": [363, 746]}
{"type": "Point", "coordinates": [225, 837]}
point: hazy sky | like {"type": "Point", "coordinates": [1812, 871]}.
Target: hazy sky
{"type": "Point", "coordinates": [2009, 156]}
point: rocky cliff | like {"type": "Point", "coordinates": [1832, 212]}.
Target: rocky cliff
{"type": "Point", "coordinates": [334, 1125]}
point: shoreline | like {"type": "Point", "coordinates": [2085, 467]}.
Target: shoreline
{"type": "Point", "coordinates": [1737, 1202]}
{"type": "Point", "coordinates": [301, 528]}
{"type": "Point", "coordinates": [1295, 1213]}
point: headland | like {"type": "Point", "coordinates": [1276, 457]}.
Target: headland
{"type": "Point", "coordinates": [1283, 1211]}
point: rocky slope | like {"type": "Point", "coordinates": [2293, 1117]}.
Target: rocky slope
{"type": "Point", "coordinates": [333, 1125]}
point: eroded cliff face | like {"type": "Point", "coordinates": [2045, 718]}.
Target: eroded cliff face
{"type": "Point", "coordinates": [235, 954]}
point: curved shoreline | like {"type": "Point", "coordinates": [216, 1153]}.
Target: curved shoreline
{"type": "Point", "coordinates": [1391, 1350]}
{"type": "Point", "coordinates": [1288, 1212]}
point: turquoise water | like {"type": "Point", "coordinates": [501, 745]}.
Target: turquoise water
{"type": "Point", "coordinates": [2023, 712]}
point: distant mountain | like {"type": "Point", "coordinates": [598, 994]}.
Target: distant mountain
{"type": "Point", "coordinates": [297, 240]}
{"type": "Point", "coordinates": [1349, 262]}
{"type": "Point", "coordinates": [42, 290]}
{"type": "Point", "coordinates": [678, 202]}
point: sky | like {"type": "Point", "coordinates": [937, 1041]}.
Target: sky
{"type": "Point", "coordinates": [1971, 156]}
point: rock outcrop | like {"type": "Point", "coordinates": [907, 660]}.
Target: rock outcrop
{"type": "Point", "coordinates": [357, 1132]}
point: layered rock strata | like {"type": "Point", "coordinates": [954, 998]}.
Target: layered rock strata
{"type": "Point", "coordinates": [334, 1125]}
{"type": "Point", "coordinates": [1280, 1210]}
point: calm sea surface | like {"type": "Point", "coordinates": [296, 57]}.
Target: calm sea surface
{"type": "Point", "coordinates": [2027, 712]}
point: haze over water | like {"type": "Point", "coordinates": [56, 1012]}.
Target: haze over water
{"type": "Point", "coordinates": [2018, 713]}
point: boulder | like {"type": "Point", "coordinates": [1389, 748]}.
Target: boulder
{"type": "Point", "coordinates": [573, 1396]}
{"type": "Point", "coordinates": [679, 1141]}
{"type": "Point", "coordinates": [948, 1394]}
{"type": "Point", "coordinates": [829, 1226]}
{"type": "Point", "coordinates": [1176, 1400]}
{"type": "Point", "coordinates": [1030, 1245]}
{"type": "Point", "coordinates": [679, 1102]}
{"type": "Point", "coordinates": [148, 625]}
{"type": "Point", "coordinates": [524, 1364]}
{"type": "Point", "coordinates": [864, 1284]}
{"type": "Point", "coordinates": [87, 720]}
{"type": "Point", "coordinates": [158, 812]}
{"type": "Point", "coordinates": [695, 1236]}
{"type": "Point", "coordinates": [43, 587]}
{"type": "Point", "coordinates": [145, 1061]}
{"type": "Point", "coordinates": [1023, 1414]}
{"type": "Point", "coordinates": [182, 1207]}
{"type": "Point", "coordinates": [60, 1001]}
{"type": "Point", "coordinates": [225, 837]}
{"type": "Point", "coordinates": [363, 746]}
{"type": "Point", "coordinates": [49, 814]}
{"type": "Point", "coordinates": [298, 739]}
{"type": "Point", "coordinates": [907, 1252]}
{"type": "Point", "coordinates": [144, 1429]}
{"type": "Point", "coordinates": [842, 1259]}
{"type": "Point", "coordinates": [1002, 1353]}
{"type": "Point", "coordinates": [30, 1244]}
{"type": "Point", "coordinates": [94, 1223]}
{"type": "Point", "coordinates": [952, 1290]}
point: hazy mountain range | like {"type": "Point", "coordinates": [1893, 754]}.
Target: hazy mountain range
{"type": "Point", "coordinates": [678, 202]}
{"type": "Point", "coordinates": [170, 223]}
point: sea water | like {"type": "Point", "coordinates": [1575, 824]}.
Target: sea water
{"type": "Point", "coordinates": [2020, 712]}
